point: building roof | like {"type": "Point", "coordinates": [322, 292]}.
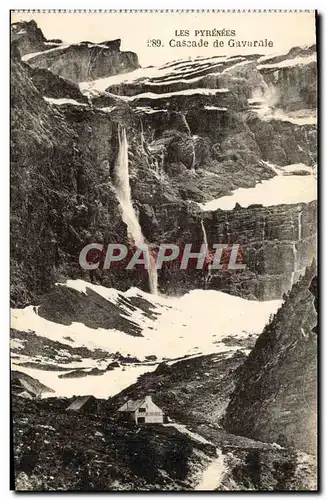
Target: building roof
{"type": "Point", "coordinates": [79, 402]}
{"type": "Point", "coordinates": [131, 405]}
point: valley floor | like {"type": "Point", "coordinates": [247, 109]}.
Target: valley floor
{"type": "Point", "coordinates": [58, 450]}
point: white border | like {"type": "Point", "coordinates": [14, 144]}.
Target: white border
{"type": "Point", "coordinates": [4, 185]}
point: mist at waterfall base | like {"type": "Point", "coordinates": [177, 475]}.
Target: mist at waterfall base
{"type": "Point", "coordinates": [124, 196]}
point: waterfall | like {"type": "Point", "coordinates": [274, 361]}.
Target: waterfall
{"type": "Point", "coordinates": [124, 196]}
{"type": "Point", "coordinates": [299, 219]}
{"type": "Point", "coordinates": [294, 263]}
{"type": "Point", "coordinates": [190, 135]}
{"type": "Point", "coordinates": [142, 138]}
{"type": "Point", "coordinates": [162, 161]}
{"type": "Point", "coordinates": [205, 242]}
{"type": "Point", "coordinates": [150, 157]}
{"type": "Point", "coordinates": [205, 239]}
{"type": "Point", "coordinates": [156, 165]}
{"type": "Point", "coordinates": [124, 191]}
{"type": "Point", "coordinates": [299, 236]}
{"type": "Point", "coordinates": [263, 229]}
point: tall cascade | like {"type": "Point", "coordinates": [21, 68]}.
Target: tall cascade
{"type": "Point", "coordinates": [205, 239]}
{"type": "Point", "coordinates": [124, 196]}
{"type": "Point", "coordinates": [263, 229]}
{"type": "Point", "coordinates": [205, 242]}
{"type": "Point", "coordinates": [299, 226]}
{"type": "Point", "coordinates": [148, 153]}
{"type": "Point", "coordinates": [294, 262]}
{"type": "Point", "coordinates": [294, 249]}
{"type": "Point", "coordinates": [191, 137]}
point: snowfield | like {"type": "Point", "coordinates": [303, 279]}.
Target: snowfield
{"type": "Point", "coordinates": [62, 101]}
{"type": "Point", "coordinates": [289, 63]}
{"type": "Point", "coordinates": [104, 386]}
{"type": "Point", "coordinates": [62, 46]}
{"type": "Point", "coordinates": [279, 190]}
{"type": "Point", "coordinates": [179, 71]}
{"type": "Point", "coordinates": [150, 95]}
{"type": "Point", "coordinates": [267, 112]}
{"type": "Point", "coordinates": [190, 325]}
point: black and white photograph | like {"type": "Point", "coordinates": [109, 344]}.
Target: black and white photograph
{"type": "Point", "coordinates": [163, 253]}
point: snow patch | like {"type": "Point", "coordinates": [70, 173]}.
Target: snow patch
{"type": "Point", "coordinates": [150, 95]}
{"type": "Point", "coordinates": [289, 63]}
{"type": "Point", "coordinates": [267, 113]}
{"type": "Point", "coordinates": [150, 111]}
{"type": "Point", "coordinates": [210, 108]}
{"type": "Point", "coordinates": [100, 386]}
{"type": "Point", "coordinates": [101, 84]}
{"type": "Point", "coordinates": [181, 80]}
{"type": "Point", "coordinates": [278, 190]}
{"type": "Point", "coordinates": [60, 102]}
{"type": "Point", "coordinates": [184, 430]}
{"type": "Point", "coordinates": [27, 57]}
{"type": "Point", "coordinates": [17, 344]}
{"type": "Point", "coordinates": [185, 326]}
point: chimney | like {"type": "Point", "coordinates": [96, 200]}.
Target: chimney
{"type": "Point", "coordinates": [148, 399]}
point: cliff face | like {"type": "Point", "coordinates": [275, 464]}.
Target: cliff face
{"type": "Point", "coordinates": [86, 61]}
{"type": "Point", "coordinates": [284, 143]}
{"type": "Point", "coordinates": [27, 37]}
{"type": "Point", "coordinates": [275, 396]}
{"type": "Point", "coordinates": [276, 244]}
{"type": "Point", "coordinates": [293, 77]}
{"type": "Point", "coordinates": [64, 152]}
{"type": "Point", "coordinates": [53, 86]}
{"type": "Point", "coordinates": [57, 199]}
{"type": "Point", "coordinates": [77, 62]}
{"type": "Point", "coordinates": [274, 247]}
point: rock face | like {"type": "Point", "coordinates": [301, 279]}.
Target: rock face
{"type": "Point", "coordinates": [76, 63]}
{"type": "Point", "coordinates": [276, 243]}
{"type": "Point", "coordinates": [57, 199]}
{"type": "Point", "coordinates": [265, 405]}
{"type": "Point", "coordinates": [86, 61]}
{"type": "Point", "coordinates": [194, 134]}
{"type": "Point", "coordinates": [293, 77]}
{"type": "Point", "coordinates": [283, 143]}
{"type": "Point", "coordinates": [52, 86]}
{"type": "Point", "coordinates": [26, 37]}
{"type": "Point", "coordinates": [274, 248]}
{"type": "Point", "coordinates": [195, 390]}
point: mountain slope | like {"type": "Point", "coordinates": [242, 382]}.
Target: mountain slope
{"type": "Point", "coordinates": [276, 393]}
{"type": "Point", "coordinates": [53, 192]}
{"type": "Point", "coordinates": [74, 62]}
{"type": "Point", "coordinates": [99, 453]}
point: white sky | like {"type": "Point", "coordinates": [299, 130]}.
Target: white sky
{"type": "Point", "coordinates": [285, 29]}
